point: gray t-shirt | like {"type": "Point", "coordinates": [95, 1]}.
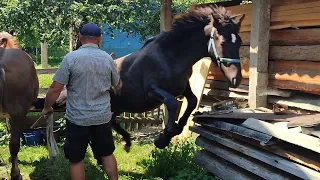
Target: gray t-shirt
{"type": "Point", "coordinates": [88, 74]}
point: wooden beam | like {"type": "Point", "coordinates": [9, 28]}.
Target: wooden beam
{"type": "Point", "coordinates": [225, 93]}
{"type": "Point", "coordinates": [259, 49]}
{"type": "Point", "coordinates": [307, 102]}
{"type": "Point", "coordinates": [44, 55]}
{"type": "Point", "coordinates": [280, 18]}
{"type": "Point", "coordinates": [222, 168]}
{"type": "Point", "coordinates": [248, 163]}
{"type": "Point", "coordinates": [285, 37]}
{"type": "Point", "coordinates": [302, 53]}
{"type": "Point", "coordinates": [47, 71]}
{"type": "Point", "coordinates": [166, 15]}
{"type": "Point", "coordinates": [264, 156]}
{"type": "Point", "coordinates": [242, 131]}
{"type": "Point", "coordinates": [299, 139]}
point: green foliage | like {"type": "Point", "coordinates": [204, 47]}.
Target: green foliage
{"type": "Point", "coordinates": [175, 162]}
{"type": "Point", "coordinates": [4, 137]}
{"type": "Point", "coordinates": [48, 21]}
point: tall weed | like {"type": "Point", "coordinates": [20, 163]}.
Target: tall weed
{"type": "Point", "coordinates": [175, 162]}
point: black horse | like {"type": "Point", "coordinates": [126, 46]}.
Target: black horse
{"type": "Point", "coordinates": [160, 71]}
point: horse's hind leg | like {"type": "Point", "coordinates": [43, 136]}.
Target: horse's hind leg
{"type": "Point", "coordinates": [17, 127]}
{"type": "Point", "coordinates": [125, 135]}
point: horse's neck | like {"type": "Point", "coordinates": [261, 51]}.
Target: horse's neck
{"type": "Point", "coordinates": [189, 52]}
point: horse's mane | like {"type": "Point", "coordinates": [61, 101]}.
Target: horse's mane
{"type": "Point", "coordinates": [12, 42]}
{"type": "Point", "coordinates": [197, 16]}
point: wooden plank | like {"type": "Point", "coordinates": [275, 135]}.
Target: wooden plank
{"type": "Point", "coordinates": [258, 80]}
{"type": "Point", "coordinates": [245, 132]}
{"type": "Point", "coordinates": [295, 75]}
{"type": "Point", "coordinates": [136, 120]}
{"type": "Point", "coordinates": [257, 153]}
{"type": "Point", "coordinates": [246, 162]}
{"type": "Point", "coordinates": [310, 102]}
{"type": "Point", "coordinates": [197, 82]}
{"type": "Point", "coordinates": [261, 116]}
{"type": "Point", "coordinates": [287, 37]}
{"type": "Point", "coordinates": [283, 149]}
{"type": "Point", "coordinates": [223, 85]}
{"type": "Point", "coordinates": [299, 139]}
{"type": "Point", "coordinates": [46, 71]}
{"type": "Point", "coordinates": [222, 168]}
{"type": "Point", "coordinates": [218, 92]}
{"type": "Point", "coordinates": [299, 53]}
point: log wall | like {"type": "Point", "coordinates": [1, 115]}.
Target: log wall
{"type": "Point", "coordinates": [294, 49]}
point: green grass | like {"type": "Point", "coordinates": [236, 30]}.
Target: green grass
{"type": "Point", "coordinates": [144, 161]}
{"type": "Point", "coordinates": [34, 163]}
{"type": "Point", "coordinates": [45, 80]}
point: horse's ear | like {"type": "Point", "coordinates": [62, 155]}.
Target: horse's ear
{"type": "Point", "coordinates": [11, 32]}
{"type": "Point", "coordinates": [208, 28]}
{"type": "Point", "coordinates": [211, 19]}
{"type": "Point", "coordinates": [237, 19]}
{"type": "Point", "coordinates": [3, 43]}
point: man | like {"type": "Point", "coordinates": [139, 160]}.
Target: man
{"type": "Point", "coordinates": [88, 73]}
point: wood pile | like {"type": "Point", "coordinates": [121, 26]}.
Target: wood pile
{"type": "Point", "coordinates": [268, 146]}
{"type": "Point", "coordinates": [294, 55]}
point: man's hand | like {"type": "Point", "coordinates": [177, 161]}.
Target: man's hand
{"type": "Point", "coordinates": [117, 89]}
{"type": "Point", "coordinates": [46, 111]}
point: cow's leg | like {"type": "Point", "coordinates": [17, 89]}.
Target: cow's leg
{"type": "Point", "coordinates": [171, 128]}
{"type": "Point", "coordinates": [17, 127]}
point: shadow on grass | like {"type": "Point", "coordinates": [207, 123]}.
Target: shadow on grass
{"type": "Point", "coordinates": [46, 169]}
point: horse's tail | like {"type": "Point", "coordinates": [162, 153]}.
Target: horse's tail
{"type": "Point", "coordinates": [2, 84]}
{"type": "Point", "coordinates": [124, 133]}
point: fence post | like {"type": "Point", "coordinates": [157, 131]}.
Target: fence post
{"type": "Point", "coordinates": [259, 52]}
{"type": "Point", "coordinates": [44, 55]}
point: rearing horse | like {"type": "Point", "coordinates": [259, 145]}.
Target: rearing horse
{"type": "Point", "coordinates": [160, 71]}
{"type": "Point", "coordinates": [19, 88]}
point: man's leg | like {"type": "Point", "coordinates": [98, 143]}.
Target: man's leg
{"type": "Point", "coordinates": [110, 166]}
{"type": "Point", "coordinates": [77, 139]}
{"type": "Point", "coordinates": [103, 148]}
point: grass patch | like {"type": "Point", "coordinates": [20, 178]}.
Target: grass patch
{"type": "Point", "coordinates": [142, 162]}
{"type": "Point", "coordinates": [45, 80]}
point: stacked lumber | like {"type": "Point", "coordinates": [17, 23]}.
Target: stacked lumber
{"type": "Point", "coordinates": [294, 55]}
{"type": "Point", "coordinates": [268, 146]}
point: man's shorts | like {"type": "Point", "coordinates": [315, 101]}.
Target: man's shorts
{"type": "Point", "coordinates": [78, 137]}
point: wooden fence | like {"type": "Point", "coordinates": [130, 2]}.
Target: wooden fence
{"type": "Point", "coordinates": [129, 121]}
{"type": "Point", "coordinates": [293, 61]}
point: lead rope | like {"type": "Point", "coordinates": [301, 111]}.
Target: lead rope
{"type": "Point", "coordinates": [51, 142]}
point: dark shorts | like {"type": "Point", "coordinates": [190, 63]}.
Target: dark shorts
{"type": "Point", "coordinates": [78, 137]}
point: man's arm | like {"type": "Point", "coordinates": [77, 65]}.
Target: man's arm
{"type": "Point", "coordinates": [60, 79]}
{"type": "Point", "coordinates": [115, 77]}
{"type": "Point", "coordinates": [53, 94]}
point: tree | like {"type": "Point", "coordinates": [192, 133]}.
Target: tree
{"type": "Point", "coordinates": [48, 21]}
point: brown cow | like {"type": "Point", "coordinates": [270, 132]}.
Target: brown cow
{"type": "Point", "coordinates": [19, 88]}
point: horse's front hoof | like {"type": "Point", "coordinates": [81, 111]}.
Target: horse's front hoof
{"type": "Point", "coordinates": [127, 147]}
{"type": "Point", "coordinates": [162, 141]}
{"type": "Point", "coordinates": [17, 177]}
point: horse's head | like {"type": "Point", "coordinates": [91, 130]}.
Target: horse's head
{"type": "Point", "coordinates": [7, 40]}
{"type": "Point", "coordinates": [224, 43]}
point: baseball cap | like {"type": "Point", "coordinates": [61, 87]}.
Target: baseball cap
{"type": "Point", "coordinates": [90, 29]}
